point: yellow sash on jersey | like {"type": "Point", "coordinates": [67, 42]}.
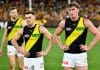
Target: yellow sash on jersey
{"type": "Point", "coordinates": [76, 33]}
{"type": "Point", "coordinates": [33, 38]}
{"type": "Point", "coordinates": [16, 27]}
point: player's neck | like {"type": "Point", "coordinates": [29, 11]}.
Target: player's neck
{"type": "Point", "coordinates": [75, 18]}
{"type": "Point", "coordinates": [32, 25]}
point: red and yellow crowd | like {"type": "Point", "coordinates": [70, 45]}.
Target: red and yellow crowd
{"type": "Point", "coordinates": [50, 11]}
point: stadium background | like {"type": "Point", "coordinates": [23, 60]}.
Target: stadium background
{"type": "Point", "coordinates": [53, 11]}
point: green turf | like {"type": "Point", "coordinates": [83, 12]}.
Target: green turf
{"type": "Point", "coordinates": [54, 58]}
{"type": "Point", "coordinates": [3, 59]}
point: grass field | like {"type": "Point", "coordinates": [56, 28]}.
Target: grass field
{"type": "Point", "coordinates": [54, 58]}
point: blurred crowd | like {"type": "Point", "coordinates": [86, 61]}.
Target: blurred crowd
{"type": "Point", "coordinates": [51, 10]}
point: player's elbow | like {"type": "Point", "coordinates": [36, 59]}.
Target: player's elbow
{"type": "Point", "coordinates": [51, 38]}
{"type": "Point", "coordinates": [98, 36]}
{"type": "Point", "coordinates": [55, 37]}
{"type": "Point", "coordinates": [13, 41]}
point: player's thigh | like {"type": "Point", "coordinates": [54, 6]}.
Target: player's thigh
{"type": "Point", "coordinates": [12, 59]}
{"type": "Point", "coordinates": [27, 63]}
{"type": "Point", "coordinates": [81, 60]}
{"type": "Point", "coordinates": [38, 63]}
{"type": "Point", "coordinates": [11, 54]}
{"type": "Point", "coordinates": [81, 68]}
{"type": "Point", "coordinates": [20, 61]}
{"type": "Point", "coordinates": [11, 50]}
{"type": "Point", "coordinates": [20, 58]}
{"type": "Point", "coordinates": [68, 68]}
{"type": "Point", "coordinates": [68, 60]}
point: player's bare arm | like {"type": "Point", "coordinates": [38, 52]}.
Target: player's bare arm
{"type": "Point", "coordinates": [48, 35]}
{"type": "Point", "coordinates": [14, 41]}
{"type": "Point", "coordinates": [99, 28]}
{"type": "Point", "coordinates": [4, 39]}
{"type": "Point", "coordinates": [94, 31]}
{"type": "Point", "coordinates": [57, 33]}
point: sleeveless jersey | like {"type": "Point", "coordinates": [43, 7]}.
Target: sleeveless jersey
{"type": "Point", "coordinates": [33, 40]}
{"type": "Point", "coordinates": [75, 34]}
{"type": "Point", "coordinates": [12, 29]}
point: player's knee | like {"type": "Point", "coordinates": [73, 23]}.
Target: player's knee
{"type": "Point", "coordinates": [12, 67]}
{"type": "Point", "coordinates": [20, 67]}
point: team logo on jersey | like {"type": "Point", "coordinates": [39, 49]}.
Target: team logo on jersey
{"type": "Point", "coordinates": [74, 24]}
{"type": "Point", "coordinates": [9, 27]}
{"type": "Point", "coordinates": [26, 35]}
{"type": "Point", "coordinates": [68, 29]}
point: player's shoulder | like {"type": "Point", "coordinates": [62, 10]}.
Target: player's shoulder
{"type": "Point", "coordinates": [87, 22]}
{"type": "Point", "coordinates": [64, 20]}
{"type": "Point", "coordinates": [41, 27]}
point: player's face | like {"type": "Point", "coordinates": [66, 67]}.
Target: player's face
{"type": "Point", "coordinates": [14, 14]}
{"type": "Point", "coordinates": [73, 11]}
{"type": "Point", "coordinates": [30, 18]}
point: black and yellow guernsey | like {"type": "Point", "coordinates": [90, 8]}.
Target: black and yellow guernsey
{"type": "Point", "coordinates": [33, 40]}
{"type": "Point", "coordinates": [13, 28]}
{"type": "Point", "coordinates": [75, 33]}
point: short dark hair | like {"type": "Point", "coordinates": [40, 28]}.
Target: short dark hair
{"type": "Point", "coordinates": [12, 8]}
{"type": "Point", "coordinates": [29, 12]}
{"type": "Point", "coordinates": [73, 4]}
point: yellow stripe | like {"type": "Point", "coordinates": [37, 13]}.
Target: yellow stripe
{"type": "Point", "coordinates": [32, 40]}
{"type": "Point", "coordinates": [14, 30]}
{"type": "Point", "coordinates": [76, 33]}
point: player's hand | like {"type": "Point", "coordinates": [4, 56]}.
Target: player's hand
{"type": "Point", "coordinates": [83, 48]}
{"type": "Point", "coordinates": [42, 53]}
{"type": "Point", "coordinates": [23, 52]}
{"type": "Point", "coordinates": [1, 51]}
{"type": "Point", "coordinates": [64, 47]}
{"type": "Point", "coordinates": [26, 54]}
